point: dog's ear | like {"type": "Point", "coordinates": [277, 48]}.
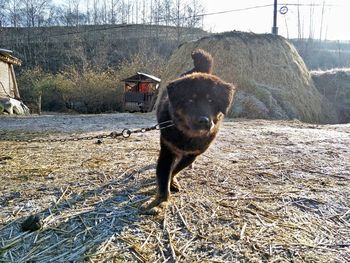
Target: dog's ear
{"type": "Point", "coordinates": [174, 92]}
{"type": "Point", "coordinates": [225, 93]}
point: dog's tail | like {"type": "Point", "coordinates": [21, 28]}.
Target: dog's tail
{"type": "Point", "coordinates": [202, 61]}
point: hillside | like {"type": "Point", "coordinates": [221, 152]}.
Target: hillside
{"type": "Point", "coordinates": [54, 48]}
{"type": "Point", "coordinates": [323, 54]}
{"type": "Point", "coordinates": [335, 86]}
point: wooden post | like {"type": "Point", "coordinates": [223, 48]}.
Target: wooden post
{"type": "Point", "coordinates": [39, 104]}
{"type": "Point", "coordinates": [14, 81]}
{"type": "Point", "coordinates": [124, 102]}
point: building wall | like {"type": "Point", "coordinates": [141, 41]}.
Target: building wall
{"type": "Point", "coordinates": [6, 82]}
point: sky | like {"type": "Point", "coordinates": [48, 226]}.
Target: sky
{"type": "Point", "coordinates": [335, 25]}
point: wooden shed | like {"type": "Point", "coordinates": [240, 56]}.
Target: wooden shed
{"type": "Point", "coordinates": [139, 92]}
{"type": "Point", "coordinates": [8, 83]}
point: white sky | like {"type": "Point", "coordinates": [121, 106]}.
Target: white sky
{"type": "Point", "coordinates": [336, 18]}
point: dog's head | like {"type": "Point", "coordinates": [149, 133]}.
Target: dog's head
{"type": "Point", "coordinates": [198, 103]}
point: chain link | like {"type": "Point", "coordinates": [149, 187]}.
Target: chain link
{"type": "Point", "coordinates": [125, 133]}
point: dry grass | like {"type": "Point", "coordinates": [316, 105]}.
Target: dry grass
{"type": "Point", "coordinates": [266, 191]}
{"type": "Point", "coordinates": [272, 79]}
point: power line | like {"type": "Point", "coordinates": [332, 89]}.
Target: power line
{"type": "Point", "coordinates": [166, 19]}
{"type": "Point", "coordinates": [308, 5]}
{"type": "Point", "coordinates": [235, 10]}
{"type": "Point", "coordinates": [181, 18]}
{"type": "Point", "coordinates": [158, 21]}
{"type": "Point", "coordinates": [259, 6]}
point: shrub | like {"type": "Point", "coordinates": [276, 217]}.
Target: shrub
{"type": "Point", "coordinates": [29, 83]}
{"type": "Point", "coordinates": [88, 90]}
{"type": "Point", "coordinates": [91, 91]}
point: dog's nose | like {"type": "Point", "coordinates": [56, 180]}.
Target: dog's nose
{"type": "Point", "coordinates": [204, 121]}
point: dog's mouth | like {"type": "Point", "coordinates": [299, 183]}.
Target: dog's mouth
{"type": "Point", "coordinates": [195, 127]}
{"type": "Point", "coordinates": [202, 124]}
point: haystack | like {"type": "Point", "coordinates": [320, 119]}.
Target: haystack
{"type": "Point", "coordinates": [272, 79]}
{"type": "Point", "coordinates": [335, 86]}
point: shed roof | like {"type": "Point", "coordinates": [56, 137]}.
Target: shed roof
{"type": "Point", "coordinates": [5, 55]}
{"type": "Point", "coordinates": [140, 76]}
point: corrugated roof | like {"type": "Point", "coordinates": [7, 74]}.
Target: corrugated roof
{"type": "Point", "coordinates": [137, 76]}
{"type": "Point", "coordinates": [5, 55]}
{"type": "Point", "coordinates": [6, 50]}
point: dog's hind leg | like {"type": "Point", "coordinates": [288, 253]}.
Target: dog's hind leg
{"type": "Point", "coordinates": [185, 161]}
{"type": "Point", "coordinates": [165, 167]}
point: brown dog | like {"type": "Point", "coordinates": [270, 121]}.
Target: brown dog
{"type": "Point", "coordinates": [196, 104]}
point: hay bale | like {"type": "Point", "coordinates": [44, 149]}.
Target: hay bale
{"type": "Point", "coordinates": [272, 79]}
{"type": "Point", "coordinates": [334, 84]}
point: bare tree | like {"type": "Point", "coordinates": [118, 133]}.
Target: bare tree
{"type": "Point", "coordinates": [128, 12]}
{"type": "Point", "coordinates": [52, 17]}
{"type": "Point", "coordinates": [193, 9]}
{"type": "Point", "coordinates": [137, 7]}
{"type": "Point", "coordinates": [125, 11]}
{"type": "Point", "coordinates": [14, 12]}
{"type": "Point", "coordinates": [3, 15]}
{"type": "Point", "coordinates": [76, 12]}
{"type": "Point", "coordinates": [178, 17]}
{"type": "Point", "coordinates": [67, 13]}
{"type": "Point", "coordinates": [167, 5]}
{"type": "Point", "coordinates": [87, 14]}
{"type": "Point", "coordinates": [95, 12]}
{"type": "Point", "coordinates": [104, 16]}
{"type": "Point", "coordinates": [113, 11]}
{"type": "Point", "coordinates": [322, 17]}
{"type": "Point", "coordinates": [299, 23]}
{"type": "Point", "coordinates": [144, 12]}
{"type": "Point", "coordinates": [311, 21]}
{"type": "Point", "coordinates": [158, 12]}
{"type": "Point", "coordinates": [34, 11]}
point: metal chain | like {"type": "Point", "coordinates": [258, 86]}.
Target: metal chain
{"type": "Point", "coordinates": [113, 135]}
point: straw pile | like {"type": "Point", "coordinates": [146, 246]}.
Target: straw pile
{"type": "Point", "coordinates": [335, 86]}
{"type": "Point", "coordinates": [271, 77]}
{"type": "Point", "coordinates": [265, 191]}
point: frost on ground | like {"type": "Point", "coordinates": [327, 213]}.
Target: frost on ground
{"type": "Point", "coordinates": [264, 191]}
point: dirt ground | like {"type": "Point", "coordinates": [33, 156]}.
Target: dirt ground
{"type": "Point", "coordinates": [265, 191]}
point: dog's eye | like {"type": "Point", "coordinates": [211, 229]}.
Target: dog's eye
{"type": "Point", "coordinates": [210, 100]}
{"type": "Point", "coordinates": [190, 100]}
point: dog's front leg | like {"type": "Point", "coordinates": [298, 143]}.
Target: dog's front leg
{"type": "Point", "coordinates": [185, 161]}
{"type": "Point", "coordinates": [165, 167]}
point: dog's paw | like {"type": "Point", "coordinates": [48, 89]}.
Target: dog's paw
{"type": "Point", "coordinates": [155, 207]}
{"type": "Point", "coordinates": [174, 185]}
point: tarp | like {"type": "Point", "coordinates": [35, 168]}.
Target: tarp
{"type": "Point", "coordinates": [8, 84]}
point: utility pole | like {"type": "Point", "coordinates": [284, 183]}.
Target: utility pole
{"type": "Point", "coordinates": [275, 28]}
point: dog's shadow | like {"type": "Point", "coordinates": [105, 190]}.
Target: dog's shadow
{"type": "Point", "coordinates": [78, 226]}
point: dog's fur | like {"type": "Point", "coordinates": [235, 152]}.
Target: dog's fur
{"type": "Point", "coordinates": [196, 104]}
{"type": "Point", "coordinates": [203, 62]}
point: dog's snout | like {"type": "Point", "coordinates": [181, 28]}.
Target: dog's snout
{"type": "Point", "coordinates": [204, 122]}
